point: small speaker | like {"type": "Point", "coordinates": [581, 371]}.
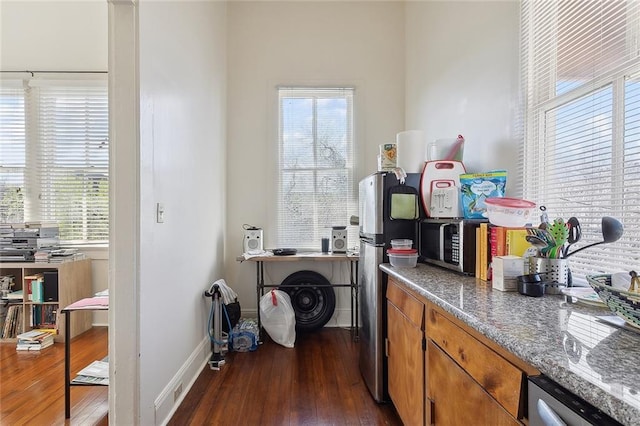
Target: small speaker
{"type": "Point", "coordinates": [339, 241]}
{"type": "Point", "coordinates": [50, 286]}
{"type": "Point", "coordinates": [252, 240]}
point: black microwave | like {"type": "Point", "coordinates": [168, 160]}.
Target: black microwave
{"type": "Point", "coordinates": [450, 243]}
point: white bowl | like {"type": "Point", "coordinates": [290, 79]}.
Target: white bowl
{"type": "Point", "coordinates": [510, 212]}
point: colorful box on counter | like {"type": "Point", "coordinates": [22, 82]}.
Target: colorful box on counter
{"type": "Point", "coordinates": [477, 187]}
{"type": "Point", "coordinates": [387, 157]}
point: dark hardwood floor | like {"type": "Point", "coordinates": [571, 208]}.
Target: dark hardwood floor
{"type": "Point", "coordinates": [316, 383]}
{"type": "Point", "coordinates": [32, 384]}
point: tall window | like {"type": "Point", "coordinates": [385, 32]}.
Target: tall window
{"type": "Point", "coordinates": [581, 70]}
{"type": "Point", "coordinates": [316, 164]}
{"type": "Point", "coordinates": [13, 135]}
{"type": "Point", "coordinates": [54, 156]}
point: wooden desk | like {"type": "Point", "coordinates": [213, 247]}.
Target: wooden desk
{"type": "Point", "coordinates": [88, 304]}
{"type": "Point", "coordinates": [316, 257]}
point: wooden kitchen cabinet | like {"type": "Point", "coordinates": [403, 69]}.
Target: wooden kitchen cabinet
{"type": "Point", "coordinates": [471, 380]}
{"type": "Point", "coordinates": [405, 354]}
{"type": "Point", "coordinates": [501, 379]}
{"type": "Point", "coordinates": [443, 372]}
{"type": "Point", "coordinates": [456, 398]}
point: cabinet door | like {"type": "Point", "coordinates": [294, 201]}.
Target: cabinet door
{"type": "Point", "coordinates": [501, 379]}
{"type": "Point", "coordinates": [456, 398]}
{"type": "Point", "coordinates": [405, 366]}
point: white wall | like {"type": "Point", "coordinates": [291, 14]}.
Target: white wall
{"type": "Point", "coordinates": [58, 36]}
{"type": "Point", "coordinates": [271, 43]}
{"type": "Point", "coordinates": [53, 36]}
{"type": "Point", "coordinates": [182, 165]}
{"type": "Point", "coordinates": [182, 149]}
{"type": "Point", "coordinates": [462, 78]}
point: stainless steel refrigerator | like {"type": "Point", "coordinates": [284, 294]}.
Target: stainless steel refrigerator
{"type": "Point", "coordinates": [377, 229]}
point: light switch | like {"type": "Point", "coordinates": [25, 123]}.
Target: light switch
{"type": "Point", "coordinates": [160, 213]}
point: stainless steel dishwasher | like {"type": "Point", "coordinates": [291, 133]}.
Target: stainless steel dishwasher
{"type": "Point", "coordinates": [552, 405]}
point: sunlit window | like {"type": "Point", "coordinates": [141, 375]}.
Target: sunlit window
{"type": "Point", "coordinates": [316, 164]}
{"type": "Point", "coordinates": [581, 157]}
{"type": "Point", "coordinates": [54, 156]}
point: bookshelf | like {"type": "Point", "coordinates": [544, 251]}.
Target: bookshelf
{"type": "Point", "coordinates": [73, 283]}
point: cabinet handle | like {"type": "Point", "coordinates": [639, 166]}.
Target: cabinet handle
{"type": "Point", "coordinates": [432, 412]}
{"type": "Point", "coordinates": [386, 347]}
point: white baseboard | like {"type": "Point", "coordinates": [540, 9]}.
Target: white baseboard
{"type": "Point", "coordinates": [166, 404]}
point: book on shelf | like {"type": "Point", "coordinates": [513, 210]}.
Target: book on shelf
{"type": "Point", "coordinates": [13, 322]}
{"type": "Point", "coordinates": [497, 246]}
{"type": "Point", "coordinates": [15, 295]}
{"type": "Point", "coordinates": [30, 281]}
{"type": "Point", "coordinates": [37, 290]}
{"type": "Point", "coordinates": [484, 251]}
{"type": "Point", "coordinates": [477, 274]}
{"type": "Point", "coordinates": [516, 241]}
{"type": "Point", "coordinates": [498, 240]}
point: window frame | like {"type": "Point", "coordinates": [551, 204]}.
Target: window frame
{"type": "Point", "coordinates": [35, 174]}
{"type": "Point", "coordinates": [542, 104]}
{"type": "Point", "coordinates": [318, 230]}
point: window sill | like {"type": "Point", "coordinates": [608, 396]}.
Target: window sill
{"type": "Point", "coordinates": [95, 252]}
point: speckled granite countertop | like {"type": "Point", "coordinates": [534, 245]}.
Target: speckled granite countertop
{"type": "Point", "coordinates": [563, 340]}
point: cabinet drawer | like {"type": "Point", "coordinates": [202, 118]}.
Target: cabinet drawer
{"type": "Point", "coordinates": [456, 399]}
{"type": "Point", "coordinates": [411, 307]}
{"type": "Point", "coordinates": [501, 379]}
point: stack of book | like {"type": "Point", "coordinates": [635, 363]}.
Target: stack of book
{"type": "Point", "coordinates": [63, 255]}
{"type": "Point", "coordinates": [20, 242]}
{"type": "Point", "coordinates": [492, 241]}
{"type": "Point", "coordinates": [34, 340]}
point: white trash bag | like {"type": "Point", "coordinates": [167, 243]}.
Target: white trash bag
{"type": "Point", "coordinates": [278, 317]}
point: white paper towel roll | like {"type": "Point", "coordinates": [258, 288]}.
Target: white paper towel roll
{"type": "Point", "coordinates": [412, 150]}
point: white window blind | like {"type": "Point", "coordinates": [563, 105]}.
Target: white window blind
{"type": "Point", "coordinates": [60, 161]}
{"type": "Point", "coordinates": [12, 152]}
{"type": "Point", "coordinates": [316, 165]}
{"type": "Point", "coordinates": [581, 69]}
